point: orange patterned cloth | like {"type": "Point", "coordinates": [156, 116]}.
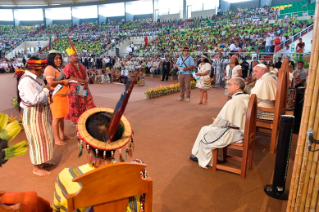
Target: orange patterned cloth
{"type": "Point", "coordinates": [60, 101]}
{"type": "Point", "coordinates": [29, 200]}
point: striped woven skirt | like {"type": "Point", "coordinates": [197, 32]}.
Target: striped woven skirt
{"type": "Point", "coordinates": [37, 127]}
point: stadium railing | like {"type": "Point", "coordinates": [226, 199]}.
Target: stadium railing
{"type": "Point", "coordinates": [295, 37]}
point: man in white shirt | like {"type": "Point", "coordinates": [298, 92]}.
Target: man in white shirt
{"type": "Point", "coordinates": [36, 110]}
{"type": "Point", "coordinates": [124, 75]}
{"type": "Point", "coordinates": [268, 40]}
{"type": "Point", "coordinates": [286, 52]}
{"type": "Point", "coordinates": [283, 38]}
{"type": "Point", "coordinates": [232, 47]}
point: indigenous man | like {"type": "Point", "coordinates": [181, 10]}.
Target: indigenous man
{"type": "Point", "coordinates": [33, 98]}
{"type": "Point", "coordinates": [265, 88]}
{"type": "Point", "coordinates": [185, 65]}
{"type": "Point", "coordinates": [96, 124]}
{"type": "Point", "coordinates": [227, 128]}
{"type": "Point", "coordinates": [78, 103]}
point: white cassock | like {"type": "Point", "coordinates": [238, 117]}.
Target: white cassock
{"type": "Point", "coordinates": [217, 135]}
{"type": "Point", "coordinates": [265, 90]}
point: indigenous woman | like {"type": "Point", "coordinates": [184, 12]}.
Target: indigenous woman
{"type": "Point", "coordinates": [203, 83]}
{"type": "Point", "coordinates": [60, 101]}
{"type": "Point", "coordinates": [33, 98]}
{"type": "Point", "coordinates": [232, 70]}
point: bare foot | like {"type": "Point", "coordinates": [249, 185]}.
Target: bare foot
{"type": "Point", "coordinates": [46, 164]}
{"type": "Point", "coordinates": [41, 172]}
{"type": "Point", "coordinates": [60, 143]}
{"type": "Point", "coordinates": [205, 103]}
{"type": "Point", "coordinates": [66, 137]}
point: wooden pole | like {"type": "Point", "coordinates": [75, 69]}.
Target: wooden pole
{"type": "Point", "coordinates": [301, 157]}
{"type": "Point", "coordinates": [308, 156]}
{"type": "Point", "coordinates": [312, 195]}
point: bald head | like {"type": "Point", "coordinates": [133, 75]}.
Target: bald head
{"type": "Point", "coordinates": [235, 85]}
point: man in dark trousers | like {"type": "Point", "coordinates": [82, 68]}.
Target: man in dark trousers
{"type": "Point", "coordinates": [244, 67]}
{"type": "Point", "coordinates": [278, 63]}
{"type": "Point", "coordinates": [166, 68]}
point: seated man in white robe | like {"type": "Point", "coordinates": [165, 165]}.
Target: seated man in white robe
{"type": "Point", "coordinates": [227, 127]}
{"type": "Point", "coordinates": [265, 87]}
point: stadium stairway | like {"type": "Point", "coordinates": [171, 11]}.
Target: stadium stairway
{"type": "Point", "coordinates": [298, 35]}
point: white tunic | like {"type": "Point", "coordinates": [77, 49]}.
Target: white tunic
{"type": "Point", "coordinates": [265, 90]}
{"type": "Point", "coordinates": [232, 114]}
{"type": "Point", "coordinates": [31, 92]}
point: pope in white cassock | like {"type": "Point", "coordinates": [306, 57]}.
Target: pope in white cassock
{"type": "Point", "coordinates": [265, 87]}
{"type": "Point", "coordinates": [228, 127]}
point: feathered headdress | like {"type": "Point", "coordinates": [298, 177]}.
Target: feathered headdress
{"type": "Point", "coordinates": [71, 50]}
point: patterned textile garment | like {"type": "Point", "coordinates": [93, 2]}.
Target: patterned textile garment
{"type": "Point", "coordinates": [36, 118]}
{"type": "Point", "coordinates": [77, 104]}
{"type": "Point", "coordinates": [218, 64]}
{"type": "Point", "coordinates": [204, 81]}
{"type": "Point", "coordinates": [65, 186]}
{"type": "Point", "coordinates": [37, 127]}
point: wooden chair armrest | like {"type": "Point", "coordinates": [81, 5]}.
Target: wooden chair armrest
{"type": "Point", "coordinates": [272, 110]}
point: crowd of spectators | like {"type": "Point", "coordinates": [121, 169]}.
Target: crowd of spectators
{"type": "Point", "coordinates": [11, 37]}
{"type": "Point", "coordinates": [242, 30]}
{"type": "Point", "coordinates": [10, 66]}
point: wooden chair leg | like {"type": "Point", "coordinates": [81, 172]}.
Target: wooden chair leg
{"type": "Point", "coordinates": [224, 154]}
{"type": "Point", "coordinates": [244, 164]}
{"type": "Point", "coordinates": [215, 159]}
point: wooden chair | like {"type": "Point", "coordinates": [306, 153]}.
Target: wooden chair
{"type": "Point", "coordinates": [280, 106]}
{"type": "Point", "coordinates": [9, 208]}
{"type": "Point", "coordinates": [247, 147]}
{"type": "Point", "coordinates": [108, 188]}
